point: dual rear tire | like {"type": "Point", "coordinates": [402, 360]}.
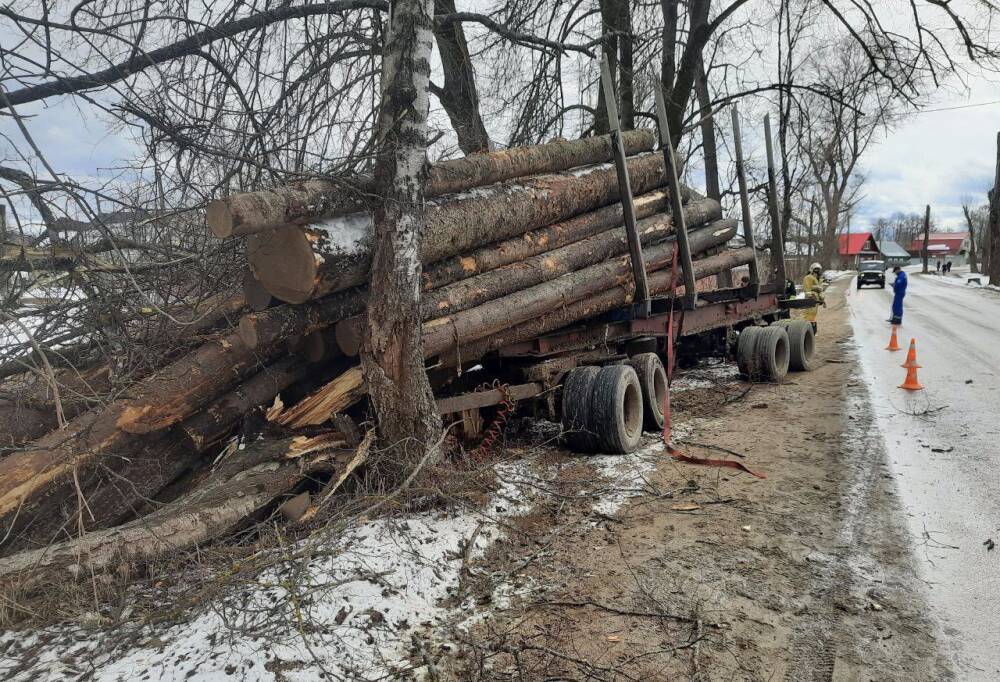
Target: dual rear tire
{"type": "Point", "coordinates": [605, 409]}
{"type": "Point", "coordinates": [764, 353]}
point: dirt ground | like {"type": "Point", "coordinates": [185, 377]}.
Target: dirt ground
{"type": "Point", "coordinates": [710, 573]}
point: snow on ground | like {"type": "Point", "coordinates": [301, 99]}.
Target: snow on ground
{"type": "Point", "coordinates": [942, 448]}
{"type": "Point", "coordinates": [356, 605]}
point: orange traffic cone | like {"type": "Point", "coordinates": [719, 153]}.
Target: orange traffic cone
{"type": "Point", "coordinates": [911, 356]}
{"type": "Point", "coordinates": [911, 383]}
{"type": "Point", "coordinates": [893, 343]}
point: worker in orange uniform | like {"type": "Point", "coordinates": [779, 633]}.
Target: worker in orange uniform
{"type": "Point", "coordinates": [812, 285]}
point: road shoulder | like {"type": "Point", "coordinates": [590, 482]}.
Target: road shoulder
{"type": "Point", "coordinates": [714, 574]}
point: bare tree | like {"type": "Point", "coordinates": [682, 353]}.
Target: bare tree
{"type": "Point", "coordinates": [392, 350]}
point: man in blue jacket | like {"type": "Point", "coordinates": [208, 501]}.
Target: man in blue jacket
{"type": "Point", "coordinates": [898, 292]}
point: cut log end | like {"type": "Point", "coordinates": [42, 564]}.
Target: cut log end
{"type": "Point", "coordinates": [247, 330]}
{"type": "Point", "coordinates": [256, 296]}
{"type": "Point", "coordinates": [348, 335]}
{"type": "Point", "coordinates": [220, 219]}
{"type": "Point", "coordinates": [284, 263]}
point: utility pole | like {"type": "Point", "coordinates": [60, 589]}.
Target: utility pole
{"type": "Point", "coordinates": [927, 235]}
{"type": "Point", "coordinates": [993, 226]}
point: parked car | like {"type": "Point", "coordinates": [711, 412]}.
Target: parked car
{"type": "Point", "coordinates": [871, 272]}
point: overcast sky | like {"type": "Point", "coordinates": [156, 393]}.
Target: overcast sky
{"type": "Point", "coordinates": [937, 157]}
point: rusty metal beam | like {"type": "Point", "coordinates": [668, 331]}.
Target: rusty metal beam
{"type": "Point", "coordinates": [477, 399]}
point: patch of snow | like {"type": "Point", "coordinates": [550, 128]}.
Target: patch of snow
{"type": "Point", "coordinates": [348, 234]}
{"type": "Point", "coordinates": [344, 607]}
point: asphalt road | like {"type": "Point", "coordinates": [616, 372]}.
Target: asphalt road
{"type": "Point", "coordinates": [944, 448]}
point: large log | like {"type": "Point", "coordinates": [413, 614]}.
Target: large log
{"type": "Point", "coordinates": [508, 279]}
{"type": "Point", "coordinates": [296, 264]}
{"type": "Point", "coordinates": [660, 282]}
{"type": "Point", "coordinates": [133, 474]}
{"type": "Point", "coordinates": [262, 473]}
{"type": "Point", "coordinates": [618, 294]}
{"type": "Point", "coordinates": [445, 333]}
{"type": "Point", "coordinates": [303, 202]}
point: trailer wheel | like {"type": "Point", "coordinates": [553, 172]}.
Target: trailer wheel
{"type": "Point", "coordinates": [773, 352]}
{"type": "Point", "coordinates": [653, 379]}
{"type": "Point", "coordinates": [576, 412]}
{"type": "Point", "coordinates": [616, 409]}
{"type": "Point", "coordinates": [801, 345]}
{"type": "Point", "coordinates": [746, 352]}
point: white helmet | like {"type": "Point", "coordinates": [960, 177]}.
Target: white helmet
{"type": "Point", "coordinates": [815, 266]}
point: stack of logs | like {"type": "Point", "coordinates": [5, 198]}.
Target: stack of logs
{"type": "Point", "coordinates": [518, 243]}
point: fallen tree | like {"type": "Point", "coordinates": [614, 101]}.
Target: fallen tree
{"type": "Point", "coordinates": [239, 488]}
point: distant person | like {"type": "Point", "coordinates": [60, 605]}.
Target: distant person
{"type": "Point", "coordinates": [898, 293]}
{"type": "Point", "coordinates": [949, 267]}
{"type": "Point", "coordinates": [937, 267]}
{"type": "Point", "coordinates": [812, 285]}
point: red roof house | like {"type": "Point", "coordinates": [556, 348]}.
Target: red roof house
{"type": "Point", "coordinates": [943, 244]}
{"type": "Point", "coordinates": [854, 247]}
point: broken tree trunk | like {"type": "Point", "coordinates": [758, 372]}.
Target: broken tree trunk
{"type": "Point", "coordinates": [265, 471]}
{"type": "Point", "coordinates": [445, 333]}
{"type": "Point", "coordinates": [299, 263]}
{"type": "Point", "coordinates": [307, 201]}
{"type": "Point", "coordinates": [131, 476]}
{"type": "Point", "coordinates": [391, 352]}
{"type": "Point", "coordinates": [46, 467]}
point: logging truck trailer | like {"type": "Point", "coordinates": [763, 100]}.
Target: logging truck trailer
{"type": "Point", "coordinates": [605, 380]}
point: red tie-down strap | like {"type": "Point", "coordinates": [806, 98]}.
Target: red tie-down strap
{"type": "Point", "coordinates": [677, 454]}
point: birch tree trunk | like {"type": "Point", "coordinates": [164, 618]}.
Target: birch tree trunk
{"type": "Point", "coordinates": [392, 351]}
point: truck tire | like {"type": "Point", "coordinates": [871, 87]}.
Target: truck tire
{"type": "Point", "coordinates": [746, 352]}
{"type": "Point", "coordinates": [576, 412]}
{"type": "Point", "coordinates": [773, 352]}
{"type": "Point", "coordinates": [801, 345]}
{"type": "Point", "coordinates": [616, 409]}
{"type": "Point", "coordinates": [653, 379]}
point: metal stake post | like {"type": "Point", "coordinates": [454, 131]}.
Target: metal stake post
{"type": "Point", "coordinates": [676, 207]}
{"type": "Point", "coordinates": [741, 177]}
{"type": "Point", "coordinates": [777, 238]}
{"type": "Point", "coordinates": [625, 190]}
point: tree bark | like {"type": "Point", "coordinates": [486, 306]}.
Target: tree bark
{"type": "Point", "coordinates": [973, 261]}
{"type": "Point", "coordinates": [264, 471]}
{"type": "Point", "coordinates": [993, 227]}
{"type": "Point", "coordinates": [660, 282]}
{"type": "Point", "coordinates": [308, 201]}
{"type": "Point", "coordinates": [391, 352]}
{"type": "Point", "coordinates": [452, 332]}
{"type": "Point", "coordinates": [459, 96]}
{"type": "Point", "coordinates": [548, 238]}
{"type": "Point", "coordinates": [546, 266]}
{"type": "Point", "coordinates": [296, 264]}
